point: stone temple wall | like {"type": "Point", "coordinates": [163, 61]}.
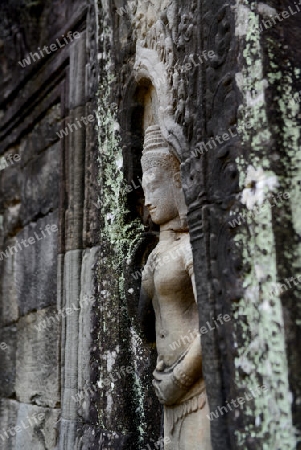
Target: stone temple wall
{"type": "Point", "coordinates": [49, 228]}
{"type": "Point", "coordinates": [75, 368]}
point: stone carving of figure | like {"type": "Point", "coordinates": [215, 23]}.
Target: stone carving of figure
{"type": "Point", "coordinates": [168, 282]}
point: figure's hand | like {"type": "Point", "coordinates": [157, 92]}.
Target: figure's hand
{"type": "Point", "coordinates": [166, 388]}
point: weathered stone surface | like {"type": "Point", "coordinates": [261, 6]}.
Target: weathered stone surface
{"type": "Point", "coordinates": [10, 185]}
{"type": "Point", "coordinates": [8, 418]}
{"type": "Point", "coordinates": [38, 357]}
{"type": "Point", "coordinates": [91, 221]}
{"type": "Point", "coordinates": [12, 219]}
{"type": "Point", "coordinates": [86, 378]}
{"type": "Point", "coordinates": [35, 100]}
{"type": "Point", "coordinates": [38, 428]}
{"type": "Point", "coordinates": [40, 184]}
{"type": "Point", "coordinates": [36, 265]}
{"type": "Point", "coordinates": [69, 348]}
{"type": "Point", "coordinates": [68, 433]}
{"type": "Point", "coordinates": [139, 45]}
{"type": "Point", "coordinates": [78, 73]}
{"type": "Point", "coordinates": [76, 173]}
{"type": "Point", "coordinates": [42, 136]}
{"type": "Point", "coordinates": [8, 361]}
{"type": "Point", "coordinates": [9, 311]}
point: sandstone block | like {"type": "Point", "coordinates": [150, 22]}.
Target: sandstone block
{"type": "Point", "coordinates": [10, 184]}
{"type": "Point", "coordinates": [9, 311]}
{"type": "Point", "coordinates": [42, 136]}
{"type": "Point", "coordinates": [8, 418]}
{"type": "Point", "coordinates": [37, 428]}
{"type": "Point", "coordinates": [38, 358]}
{"type": "Point", "coordinates": [36, 266]}
{"type": "Point", "coordinates": [40, 184]}
{"type": "Point", "coordinates": [7, 361]}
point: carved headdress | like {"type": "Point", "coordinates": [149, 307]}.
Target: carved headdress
{"type": "Point", "coordinates": [156, 153]}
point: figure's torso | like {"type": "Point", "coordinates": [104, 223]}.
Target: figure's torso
{"type": "Point", "coordinates": [167, 279]}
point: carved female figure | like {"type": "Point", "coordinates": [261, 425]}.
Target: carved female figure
{"type": "Point", "coordinates": [168, 282]}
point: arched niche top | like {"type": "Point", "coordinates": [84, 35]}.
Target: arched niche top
{"type": "Point", "coordinates": [148, 66]}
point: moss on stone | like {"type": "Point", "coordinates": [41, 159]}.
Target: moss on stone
{"type": "Point", "coordinates": [120, 236]}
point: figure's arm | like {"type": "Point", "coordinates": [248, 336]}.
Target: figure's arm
{"type": "Point", "coordinates": [190, 368]}
{"type": "Point", "coordinates": [171, 386]}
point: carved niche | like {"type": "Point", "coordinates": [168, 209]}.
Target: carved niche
{"type": "Point", "coordinates": [168, 286]}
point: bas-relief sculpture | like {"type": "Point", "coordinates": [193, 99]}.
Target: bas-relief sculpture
{"type": "Point", "coordinates": [170, 287]}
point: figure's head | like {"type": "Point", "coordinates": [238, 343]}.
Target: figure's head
{"type": "Point", "coordinates": [161, 180]}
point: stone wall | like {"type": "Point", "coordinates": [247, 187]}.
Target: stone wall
{"type": "Point", "coordinates": [49, 225]}
{"type": "Point", "coordinates": [75, 366]}
{"type": "Point", "coordinates": [223, 114]}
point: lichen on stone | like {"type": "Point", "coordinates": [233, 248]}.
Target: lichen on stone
{"type": "Point", "coordinates": [258, 318]}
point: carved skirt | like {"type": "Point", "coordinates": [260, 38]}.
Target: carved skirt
{"type": "Point", "coordinates": [186, 424]}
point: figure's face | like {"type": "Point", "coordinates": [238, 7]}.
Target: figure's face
{"type": "Point", "coordinates": [157, 184]}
